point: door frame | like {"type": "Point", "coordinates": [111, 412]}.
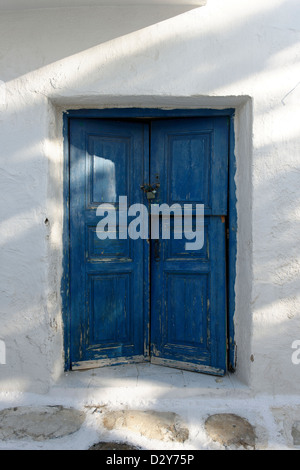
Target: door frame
{"type": "Point", "coordinates": [152, 113]}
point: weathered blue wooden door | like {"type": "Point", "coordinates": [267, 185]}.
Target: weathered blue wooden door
{"type": "Point", "coordinates": [188, 287]}
{"type": "Point", "coordinates": [120, 287]}
{"type": "Point", "coordinates": [108, 278]}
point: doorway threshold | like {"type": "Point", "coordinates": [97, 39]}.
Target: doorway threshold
{"type": "Point", "coordinates": [129, 383]}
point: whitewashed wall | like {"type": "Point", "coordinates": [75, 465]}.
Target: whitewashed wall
{"type": "Point", "coordinates": [228, 53]}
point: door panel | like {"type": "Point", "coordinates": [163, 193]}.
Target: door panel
{"type": "Point", "coordinates": [109, 278]}
{"type": "Point", "coordinates": [191, 157]}
{"type": "Point", "coordinates": [188, 296]}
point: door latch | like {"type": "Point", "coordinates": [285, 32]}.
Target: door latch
{"type": "Point", "coordinates": [151, 195]}
{"type": "Point", "coordinates": [150, 191]}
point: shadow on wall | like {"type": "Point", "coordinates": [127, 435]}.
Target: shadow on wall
{"type": "Point", "coordinates": [117, 45]}
{"type": "Point", "coordinates": [32, 39]}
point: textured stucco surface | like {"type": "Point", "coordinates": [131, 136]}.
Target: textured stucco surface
{"type": "Point", "coordinates": [228, 53]}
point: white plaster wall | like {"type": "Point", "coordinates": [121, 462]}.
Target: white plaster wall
{"type": "Point", "coordinates": [228, 53]}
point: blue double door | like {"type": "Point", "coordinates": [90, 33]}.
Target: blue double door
{"type": "Point", "coordinates": [144, 299]}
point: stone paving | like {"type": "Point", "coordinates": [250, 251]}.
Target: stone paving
{"type": "Point", "coordinates": [151, 424]}
{"type": "Point", "coordinates": [39, 423]}
{"type": "Point", "coordinates": [148, 407]}
{"type": "Point", "coordinates": [231, 430]}
{"type": "Point", "coordinates": [54, 422]}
